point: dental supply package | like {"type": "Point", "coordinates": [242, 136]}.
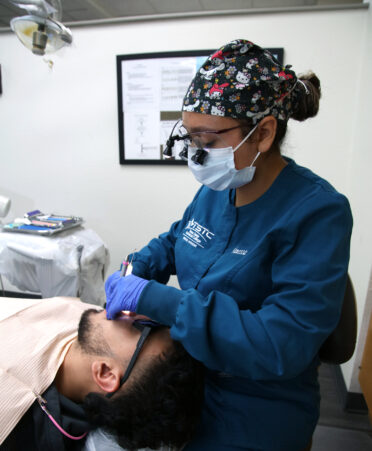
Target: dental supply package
{"type": "Point", "coordinates": [38, 223]}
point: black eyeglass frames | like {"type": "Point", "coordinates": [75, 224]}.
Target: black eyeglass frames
{"type": "Point", "coordinates": [145, 331]}
{"type": "Point", "coordinates": [193, 139]}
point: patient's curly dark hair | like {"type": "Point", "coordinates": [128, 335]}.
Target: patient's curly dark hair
{"type": "Point", "coordinates": [161, 406]}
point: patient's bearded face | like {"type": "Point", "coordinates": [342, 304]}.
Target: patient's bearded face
{"type": "Point", "coordinates": [116, 338]}
{"type": "Point", "coordinates": [90, 335]}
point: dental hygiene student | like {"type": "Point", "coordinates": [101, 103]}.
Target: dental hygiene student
{"type": "Point", "coordinates": [261, 255]}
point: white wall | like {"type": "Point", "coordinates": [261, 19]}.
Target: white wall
{"type": "Point", "coordinates": [59, 132]}
{"type": "Point", "coordinates": [360, 190]}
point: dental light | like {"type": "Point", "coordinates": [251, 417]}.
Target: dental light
{"type": "Point", "coordinates": [41, 32]}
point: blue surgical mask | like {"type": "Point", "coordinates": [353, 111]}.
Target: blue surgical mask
{"type": "Point", "coordinates": [219, 172]}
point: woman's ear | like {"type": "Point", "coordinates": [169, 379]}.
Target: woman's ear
{"type": "Point", "coordinates": [266, 132]}
{"type": "Point", "coordinates": [106, 375]}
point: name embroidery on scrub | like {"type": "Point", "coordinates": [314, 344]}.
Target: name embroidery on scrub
{"type": "Point", "coordinates": [239, 251]}
{"type": "Point", "coordinates": [196, 234]}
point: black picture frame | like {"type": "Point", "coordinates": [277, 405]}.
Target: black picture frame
{"type": "Point", "coordinates": [168, 116]}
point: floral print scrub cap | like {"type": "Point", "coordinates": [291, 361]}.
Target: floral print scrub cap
{"type": "Point", "coordinates": [243, 81]}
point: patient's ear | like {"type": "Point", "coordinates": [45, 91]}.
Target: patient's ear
{"type": "Point", "coordinates": [106, 374]}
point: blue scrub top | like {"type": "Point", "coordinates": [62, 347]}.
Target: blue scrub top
{"type": "Point", "coordinates": [261, 289]}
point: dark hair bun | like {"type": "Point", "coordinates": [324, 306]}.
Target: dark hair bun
{"type": "Point", "coordinates": [307, 95]}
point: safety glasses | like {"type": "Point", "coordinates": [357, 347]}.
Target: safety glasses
{"type": "Point", "coordinates": [145, 328]}
{"type": "Point", "coordinates": [205, 139]}
{"type": "Point", "coordinates": [200, 140]}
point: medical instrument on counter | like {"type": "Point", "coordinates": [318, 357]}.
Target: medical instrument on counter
{"type": "Point", "coordinates": [41, 31]}
{"type": "Point", "coordinates": [38, 223]}
{"type": "Point", "coordinates": [42, 402]}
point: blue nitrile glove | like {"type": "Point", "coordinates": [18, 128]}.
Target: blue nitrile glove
{"type": "Point", "coordinates": [122, 293]}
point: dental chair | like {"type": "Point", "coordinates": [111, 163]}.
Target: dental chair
{"type": "Point", "coordinates": [340, 345]}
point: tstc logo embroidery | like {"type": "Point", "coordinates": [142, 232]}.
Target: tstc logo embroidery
{"type": "Point", "coordinates": [197, 235]}
{"type": "Point", "coordinates": [239, 251]}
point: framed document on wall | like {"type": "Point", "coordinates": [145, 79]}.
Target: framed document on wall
{"type": "Point", "coordinates": [151, 88]}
